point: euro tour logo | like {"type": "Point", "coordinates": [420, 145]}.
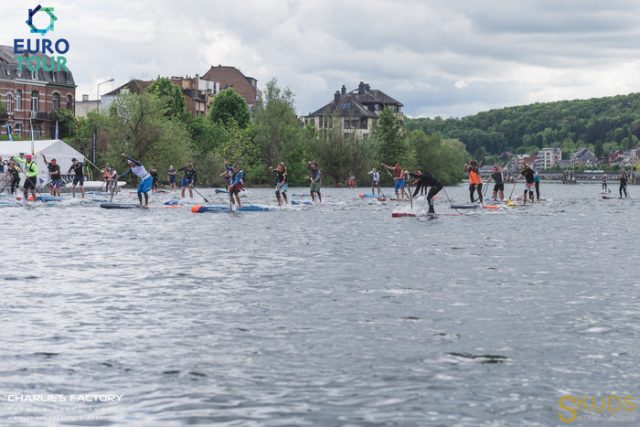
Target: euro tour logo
{"type": "Point", "coordinates": [30, 53]}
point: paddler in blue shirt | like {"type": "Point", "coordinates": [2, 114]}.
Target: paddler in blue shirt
{"type": "Point", "coordinates": [146, 180]}
{"type": "Point", "coordinates": [237, 184]}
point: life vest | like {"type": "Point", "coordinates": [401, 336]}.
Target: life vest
{"type": "Point", "coordinates": [474, 177]}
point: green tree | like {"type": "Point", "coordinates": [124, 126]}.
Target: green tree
{"type": "Point", "coordinates": [170, 96]}
{"type": "Point", "coordinates": [138, 126]}
{"type": "Point", "coordinates": [276, 122]}
{"type": "Point", "coordinates": [333, 151]}
{"type": "Point", "coordinates": [66, 122]}
{"type": "Point", "coordinates": [229, 107]}
{"type": "Point", "coordinates": [387, 135]}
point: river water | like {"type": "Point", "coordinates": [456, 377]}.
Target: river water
{"type": "Point", "coordinates": [334, 315]}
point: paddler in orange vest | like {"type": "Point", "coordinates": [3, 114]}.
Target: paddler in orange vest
{"type": "Point", "coordinates": [475, 181]}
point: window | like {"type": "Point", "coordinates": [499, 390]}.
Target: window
{"type": "Point", "coordinates": [34, 75]}
{"type": "Point", "coordinates": [9, 103]}
{"type": "Point", "coordinates": [35, 97]}
{"type": "Point", "coordinates": [69, 102]}
{"type": "Point", "coordinates": [19, 100]}
{"type": "Point", "coordinates": [17, 129]}
{"type": "Point", "coordinates": [56, 101]}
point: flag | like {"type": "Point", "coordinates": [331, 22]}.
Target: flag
{"type": "Point", "coordinates": [57, 131]}
{"type": "Point", "coordinates": [94, 142]}
{"type": "Point", "coordinates": [9, 132]}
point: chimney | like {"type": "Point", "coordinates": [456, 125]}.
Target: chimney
{"type": "Point", "coordinates": [336, 97]}
{"type": "Point", "coordinates": [361, 88]}
{"type": "Point", "coordinates": [343, 91]}
{"type": "Point", "coordinates": [85, 98]}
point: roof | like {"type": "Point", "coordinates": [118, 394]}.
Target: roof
{"type": "Point", "coordinates": [231, 77]}
{"type": "Point", "coordinates": [358, 102]}
{"type": "Point", "coordinates": [347, 106]}
{"type": "Point", "coordinates": [9, 70]}
{"type": "Point", "coordinates": [134, 86]}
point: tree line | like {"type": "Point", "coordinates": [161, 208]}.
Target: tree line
{"type": "Point", "coordinates": [155, 127]}
{"type": "Point", "coordinates": [600, 124]}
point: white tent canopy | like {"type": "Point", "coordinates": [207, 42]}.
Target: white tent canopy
{"type": "Point", "coordinates": [52, 149]}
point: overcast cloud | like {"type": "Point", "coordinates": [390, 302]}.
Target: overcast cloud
{"type": "Point", "coordinates": [447, 58]}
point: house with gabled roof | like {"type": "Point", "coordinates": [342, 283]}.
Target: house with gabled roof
{"type": "Point", "coordinates": [355, 111]}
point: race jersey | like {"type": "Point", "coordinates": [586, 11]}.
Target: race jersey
{"type": "Point", "coordinates": [375, 176]}
{"type": "Point", "coordinates": [623, 179]}
{"type": "Point", "coordinates": [474, 177]}
{"type": "Point", "coordinates": [54, 171]}
{"type": "Point", "coordinates": [30, 168]}
{"type": "Point", "coordinates": [528, 176]}
{"type": "Point", "coordinates": [315, 174]}
{"type": "Point", "coordinates": [397, 172]}
{"type": "Point", "coordinates": [137, 169]}
{"type": "Point", "coordinates": [237, 177]}
{"type": "Point", "coordinates": [77, 169]}
{"type": "Point", "coordinates": [497, 178]}
{"type": "Point", "coordinates": [189, 173]}
{"type": "Point", "coordinates": [280, 177]}
{"type": "Point", "coordinates": [426, 179]}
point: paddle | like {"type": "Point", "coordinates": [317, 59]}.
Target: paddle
{"type": "Point", "coordinates": [409, 187]}
{"type": "Point", "coordinates": [200, 194]}
{"type": "Point", "coordinates": [514, 188]}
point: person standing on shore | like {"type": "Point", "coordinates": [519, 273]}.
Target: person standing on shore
{"type": "Point", "coordinates": [475, 181]}
{"type": "Point", "coordinates": [498, 183]}
{"type": "Point", "coordinates": [398, 179]}
{"type": "Point", "coordinates": [316, 179]}
{"type": "Point", "coordinates": [78, 178]}
{"type": "Point", "coordinates": [623, 184]}
{"type": "Point", "coordinates": [529, 178]}
{"type": "Point", "coordinates": [146, 181]}
{"type": "Point", "coordinates": [55, 177]}
{"type": "Point", "coordinates": [375, 181]}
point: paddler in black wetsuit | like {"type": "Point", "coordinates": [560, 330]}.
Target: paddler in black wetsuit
{"type": "Point", "coordinates": [422, 180]}
{"type": "Point", "coordinates": [498, 183]}
{"type": "Point", "coordinates": [623, 184]}
{"type": "Point", "coordinates": [529, 177]}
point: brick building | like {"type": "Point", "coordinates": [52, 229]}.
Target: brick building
{"type": "Point", "coordinates": [32, 96]}
{"type": "Point", "coordinates": [231, 77]}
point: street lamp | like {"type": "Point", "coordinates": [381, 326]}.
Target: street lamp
{"type": "Point", "coordinates": [94, 141]}
{"type": "Point", "coordinates": [100, 84]}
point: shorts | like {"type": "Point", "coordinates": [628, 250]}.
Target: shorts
{"type": "Point", "coordinates": [145, 184]}
{"type": "Point", "coordinates": [78, 180]}
{"type": "Point", "coordinates": [282, 188]}
{"type": "Point", "coordinates": [186, 182]}
{"type": "Point", "coordinates": [375, 183]}
{"type": "Point", "coordinates": [315, 187]}
{"type": "Point", "coordinates": [235, 189]}
{"type": "Point", "coordinates": [498, 187]}
{"type": "Point", "coordinates": [530, 186]}
{"type": "Point", "coordinates": [399, 184]}
{"type": "Point", "coordinates": [172, 179]}
{"type": "Point", "coordinates": [56, 183]}
{"type": "Point", "coordinates": [30, 183]}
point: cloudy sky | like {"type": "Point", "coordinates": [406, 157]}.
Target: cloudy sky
{"type": "Point", "coordinates": [438, 57]}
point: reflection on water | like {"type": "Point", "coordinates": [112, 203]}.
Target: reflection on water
{"type": "Point", "coordinates": [330, 315]}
